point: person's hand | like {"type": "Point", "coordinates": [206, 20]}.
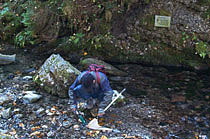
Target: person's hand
{"type": "Point", "coordinates": [101, 112]}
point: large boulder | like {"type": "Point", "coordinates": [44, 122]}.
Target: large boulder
{"type": "Point", "coordinates": [109, 68]}
{"type": "Point", "coordinates": [56, 75]}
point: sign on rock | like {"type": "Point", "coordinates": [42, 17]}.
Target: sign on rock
{"type": "Point", "coordinates": [162, 21]}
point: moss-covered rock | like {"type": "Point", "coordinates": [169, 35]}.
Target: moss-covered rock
{"type": "Point", "coordinates": [109, 68]}
{"type": "Point", "coordinates": [56, 75]}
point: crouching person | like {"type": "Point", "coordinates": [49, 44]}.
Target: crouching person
{"type": "Point", "coordinates": [91, 90]}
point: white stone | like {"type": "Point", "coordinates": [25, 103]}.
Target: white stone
{"type": "Point", "coordinates": [31, 97]}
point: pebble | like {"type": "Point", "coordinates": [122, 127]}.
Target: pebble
{"type": "Point", "coordinates": [27, 78]}
{"type": "Point", "coordinates": [40, 110]}
{"type": "Point", "coordinates": [67, 124]}
{"type": "Point", "coordinates": [6, 113]}
{"type": "Point", "coordinates": [31, 70]}
{"type": "Point", "coordinates": [1, 90]}
{"type": "Point", "coordinates": [31, 97]}
{"type": "Point", "coordinates": [44, 126]}
{"type": "Point", "coordinates": [76, 127]}
{"type": "Point", "coordinates": [116, 131]}
{"type": "Point", "coordinates": [4, 99]}
{"type": "Point", "coordinates": [18, 116]}
{"type": "Point", "coordinates": [51, 134]}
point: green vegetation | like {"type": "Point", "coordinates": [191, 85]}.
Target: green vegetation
{"type": "Point", "coordinates": [204, 2]}
{"type": "Point", "coordinates": [9, 23]}
{"type": "Point", "coordinates": [206, 14]}
{"type": "Point", "coordinates": [76, 39]}
{"type": "Point", "coordinates": [95, 27]}
{"type": "Point", "coordinates": [201, 49]}
{"type": "Point", "coordinates": [26, 35]}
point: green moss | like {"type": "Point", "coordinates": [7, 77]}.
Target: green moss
{"type": "Point", "coordinates": [206, 15]}
{"type": "Point", "coordinates": [147, 1]}
{"type": "Point", "coordinates": [203, 2]}
{"type": "Point", "coordinates": [137, 36]}
{"type": "Point", "coordinates": [148, 21]}
{"type": "Point", "coordinates": [104, 27]}
{"type": "Point", "coordinates": [36, 79]}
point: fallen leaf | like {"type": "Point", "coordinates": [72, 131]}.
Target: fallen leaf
{"type": "Point", "coordinates": [18, 72]}
{"type": "Point", "coordinates": [22, 125]}
{"type": "Point", "coordinates": [119, 122]}
{"type": "Point", "coordinates": [36, 133]}
{"type": "Point", "coordinates": [104, 137]}
{"type": "Point", "coordinates": [64, 112]}
{"type": "Point", "coordinates": [14, 104]}
{"type": "Point", "coordinates": [35, 128]}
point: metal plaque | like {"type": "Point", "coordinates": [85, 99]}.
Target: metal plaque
{"type": "Point", "coordinates": [162, 21]}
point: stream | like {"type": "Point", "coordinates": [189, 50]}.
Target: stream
{"type": "Point", "coordinates": [160, 102]}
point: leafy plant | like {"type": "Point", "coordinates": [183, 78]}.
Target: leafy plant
{"type": "Point", "coordinates": [201, 49]}
{"type": "Point", "coordinates": [184, 37]}
{"type": "Point", "coordinates": [4, 11]}
{"type": "Point", "coordinates": [26, 36]}
{"type": "Point", "coordinates": [99, 40]}
{"type": "Point", "coordinates": [76, 39]}
{"type": "Point", "coordinates": [9, 22]}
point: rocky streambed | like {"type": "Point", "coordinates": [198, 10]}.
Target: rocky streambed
{"type": "Point", "coordinates": [160, 103]}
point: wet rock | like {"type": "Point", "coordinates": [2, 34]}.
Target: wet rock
{"type": "Point", "coordinates": [51, 134]}
{"type": "Point", "coordinates": [40, 111]}
{"type": "Point", "coordinates": [18, 116]}
{"type": "Point", "coordinates": [4, 99]}
{"type": "Point", "coordinates": [67, 123]}
{"type": "Point", "coordinates": [56, 75]}
{"type": "Point", "coordinates": [76, 127]}
{"type": "Point", "coordinates": [6, 113]}
{"type": "Point", "coordinates": [1, 90]}
{"type": "Point", "coordinates": [31, 97]}
{"type": "Point", "coordinates": [16, 111]}
{"type": "Point", "coordinates": [116, 131]}
{"type": "Point", "coordinates": [10, 76]}
{"type": "Point", "coordinates": [27, 78]}
{"type": "Point", "coordinates": [30, 70]}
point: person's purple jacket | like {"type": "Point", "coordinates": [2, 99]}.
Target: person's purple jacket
{"type": "Point", "coordinates": [103, 92]}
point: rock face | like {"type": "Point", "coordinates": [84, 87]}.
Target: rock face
{"type": "Point", "coordinates": [142, 42]}
{"type": "Point", "coordinates": [134, 38]}
{"type": "Point", "coordinates": [124, 31]}
{"type": "Point", "coordinates": [55, 75]}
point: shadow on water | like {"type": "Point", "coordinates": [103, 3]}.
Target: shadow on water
{"type": "Point", "coordinates": [184, 90]}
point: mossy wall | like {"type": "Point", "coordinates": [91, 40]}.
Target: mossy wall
{"type": "Point", "coordinates": [122, 30]}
